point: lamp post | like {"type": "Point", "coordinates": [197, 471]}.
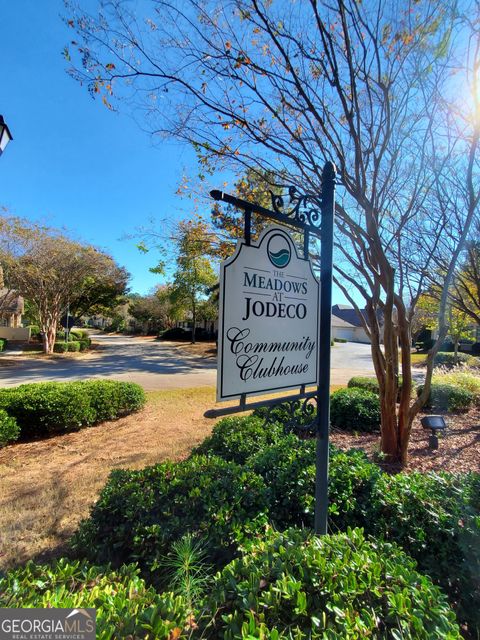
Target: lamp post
{"type": "Point", "coordinates": [5, 135]}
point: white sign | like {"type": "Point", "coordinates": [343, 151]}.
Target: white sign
{"type": "Point", "coordinates": [269, 312]}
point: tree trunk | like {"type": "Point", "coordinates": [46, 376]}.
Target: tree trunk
{"type": "Point", "coordinates": [49, 335]}
{"type": "Point", "coordinates": [404, 415]}
{"type": "Point", "coordinates": [455, 350]}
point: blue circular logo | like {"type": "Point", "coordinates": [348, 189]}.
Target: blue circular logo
{"type": "Point", "coordinates": [279, 251]}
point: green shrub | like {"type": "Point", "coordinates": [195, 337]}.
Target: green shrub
{"type": "Point", "coordinates": [342, 340]}
{"type": "Point", "coordinates": [75, 335]}
{"type": "Point", "coordinates": [355, 410]}
{"type": "Point", "coordinates": [448, 397]}
{"type": "Point", "coordinates": [140, 514]}
{"type": "Point", "coordinates": [351, 480]}
{"type": "Point", "coordinates": [111, 399]}
{"type": "Point", "coordinates": [3, 344]}
{"type": "Point", "coordinates": [85, 344]}
{"type": "Point", "coordinates": [9, 429]}
{"type": "Point", "coordinates": [436, 520]}
{"type": "Point", "coordinates": [125, 606]}
{"type": "Point", "coordinates": [236, 439]}
{"type": "Point", "coordinates": [60, 347]}
{"type": "Point", "coordinates": [283, 415]}
{"type": "Point", "coordinates": [370, 384]}
{"type": "Point", "coordinates": [296, 585]}
{"type": "Point", "coordinates": [74, 345]}
{"type": "Point", "coordinates": [51, 407]}
{"type": "Point", "coordinates": [79, 334]}
{"type": "Point", "coordinates": [463, 379]}
{"type": "Point", "coordinates": [448, 359]}
{"type": "Point", "coordinates": [288, 468]}
{"type": "Point", "coordinates": [432, 517]}
{"type": "Point", "coordinates": [360, 382]}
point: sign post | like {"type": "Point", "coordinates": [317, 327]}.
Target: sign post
{"type": "Point", "coordinates": [275, 319]}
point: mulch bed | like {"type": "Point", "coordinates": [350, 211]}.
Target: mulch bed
{"type": "Point", "coordinates": [458, 450]}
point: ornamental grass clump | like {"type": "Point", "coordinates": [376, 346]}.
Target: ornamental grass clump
{"type": "Point", "coordinates": [462, 377]}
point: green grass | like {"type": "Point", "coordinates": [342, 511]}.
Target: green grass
{"type": "Point", "coordinates": [418, 359]}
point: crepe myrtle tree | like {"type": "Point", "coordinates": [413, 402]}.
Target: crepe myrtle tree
{"type": "Point", "coordinates": [284, 87]}
{"type": "Point", "coordinates": [52, 271]}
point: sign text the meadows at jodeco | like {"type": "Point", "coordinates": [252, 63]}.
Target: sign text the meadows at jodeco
{"type": "Point", "coordinates": [269, 310]}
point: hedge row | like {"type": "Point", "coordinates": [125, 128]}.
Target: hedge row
{"type": "Point", "coordinates": [53, 407]}
{"type": "Point", "coordinates": [447, 359]}
{"type": "Point", "coordinates": [63, 347]}
{"type": "Point", "coordinates": [78, 340]}
{"type": "Point", "coordinates": [140, 514]}
{"type": "Point", "coordinates": [288, 585]}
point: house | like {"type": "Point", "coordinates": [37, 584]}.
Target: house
{"type": "Point", "coordinates": [11, 309]}
{"type": "Point", "coordinates": [347, 325]}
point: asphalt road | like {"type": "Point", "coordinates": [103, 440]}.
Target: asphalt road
{"type": "Point", "coordinates": [156, 365]}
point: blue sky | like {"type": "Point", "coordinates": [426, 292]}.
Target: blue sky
{"type": "Point", "coordinates": [72, 162]}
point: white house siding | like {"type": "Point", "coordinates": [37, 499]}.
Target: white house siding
{"type": "Point", "coordinates": [360, 335]}
{"type": "Point", "coordinates": [343, 333]}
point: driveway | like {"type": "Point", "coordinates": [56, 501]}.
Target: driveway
{"type": "Point", "coordinates": [156, 365]}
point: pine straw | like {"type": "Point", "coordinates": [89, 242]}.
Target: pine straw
{"type": "Point", "coordinates": [458, 450]}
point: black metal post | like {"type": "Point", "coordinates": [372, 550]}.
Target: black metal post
{"type": "Point", "coordinates": [308, 224]}
{"type": "Point", "coordinates": [326, 259]}
{"type": "Point", "coordinates": [248, 227]}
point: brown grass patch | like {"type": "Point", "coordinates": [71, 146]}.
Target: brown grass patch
{"type": "Point", "coordinates": [49, 485]}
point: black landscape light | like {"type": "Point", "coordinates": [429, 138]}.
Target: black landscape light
{"type": "Point", "coordinates": [5, 135]}
{"type": "Point", "coordinates": [437, 425]}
